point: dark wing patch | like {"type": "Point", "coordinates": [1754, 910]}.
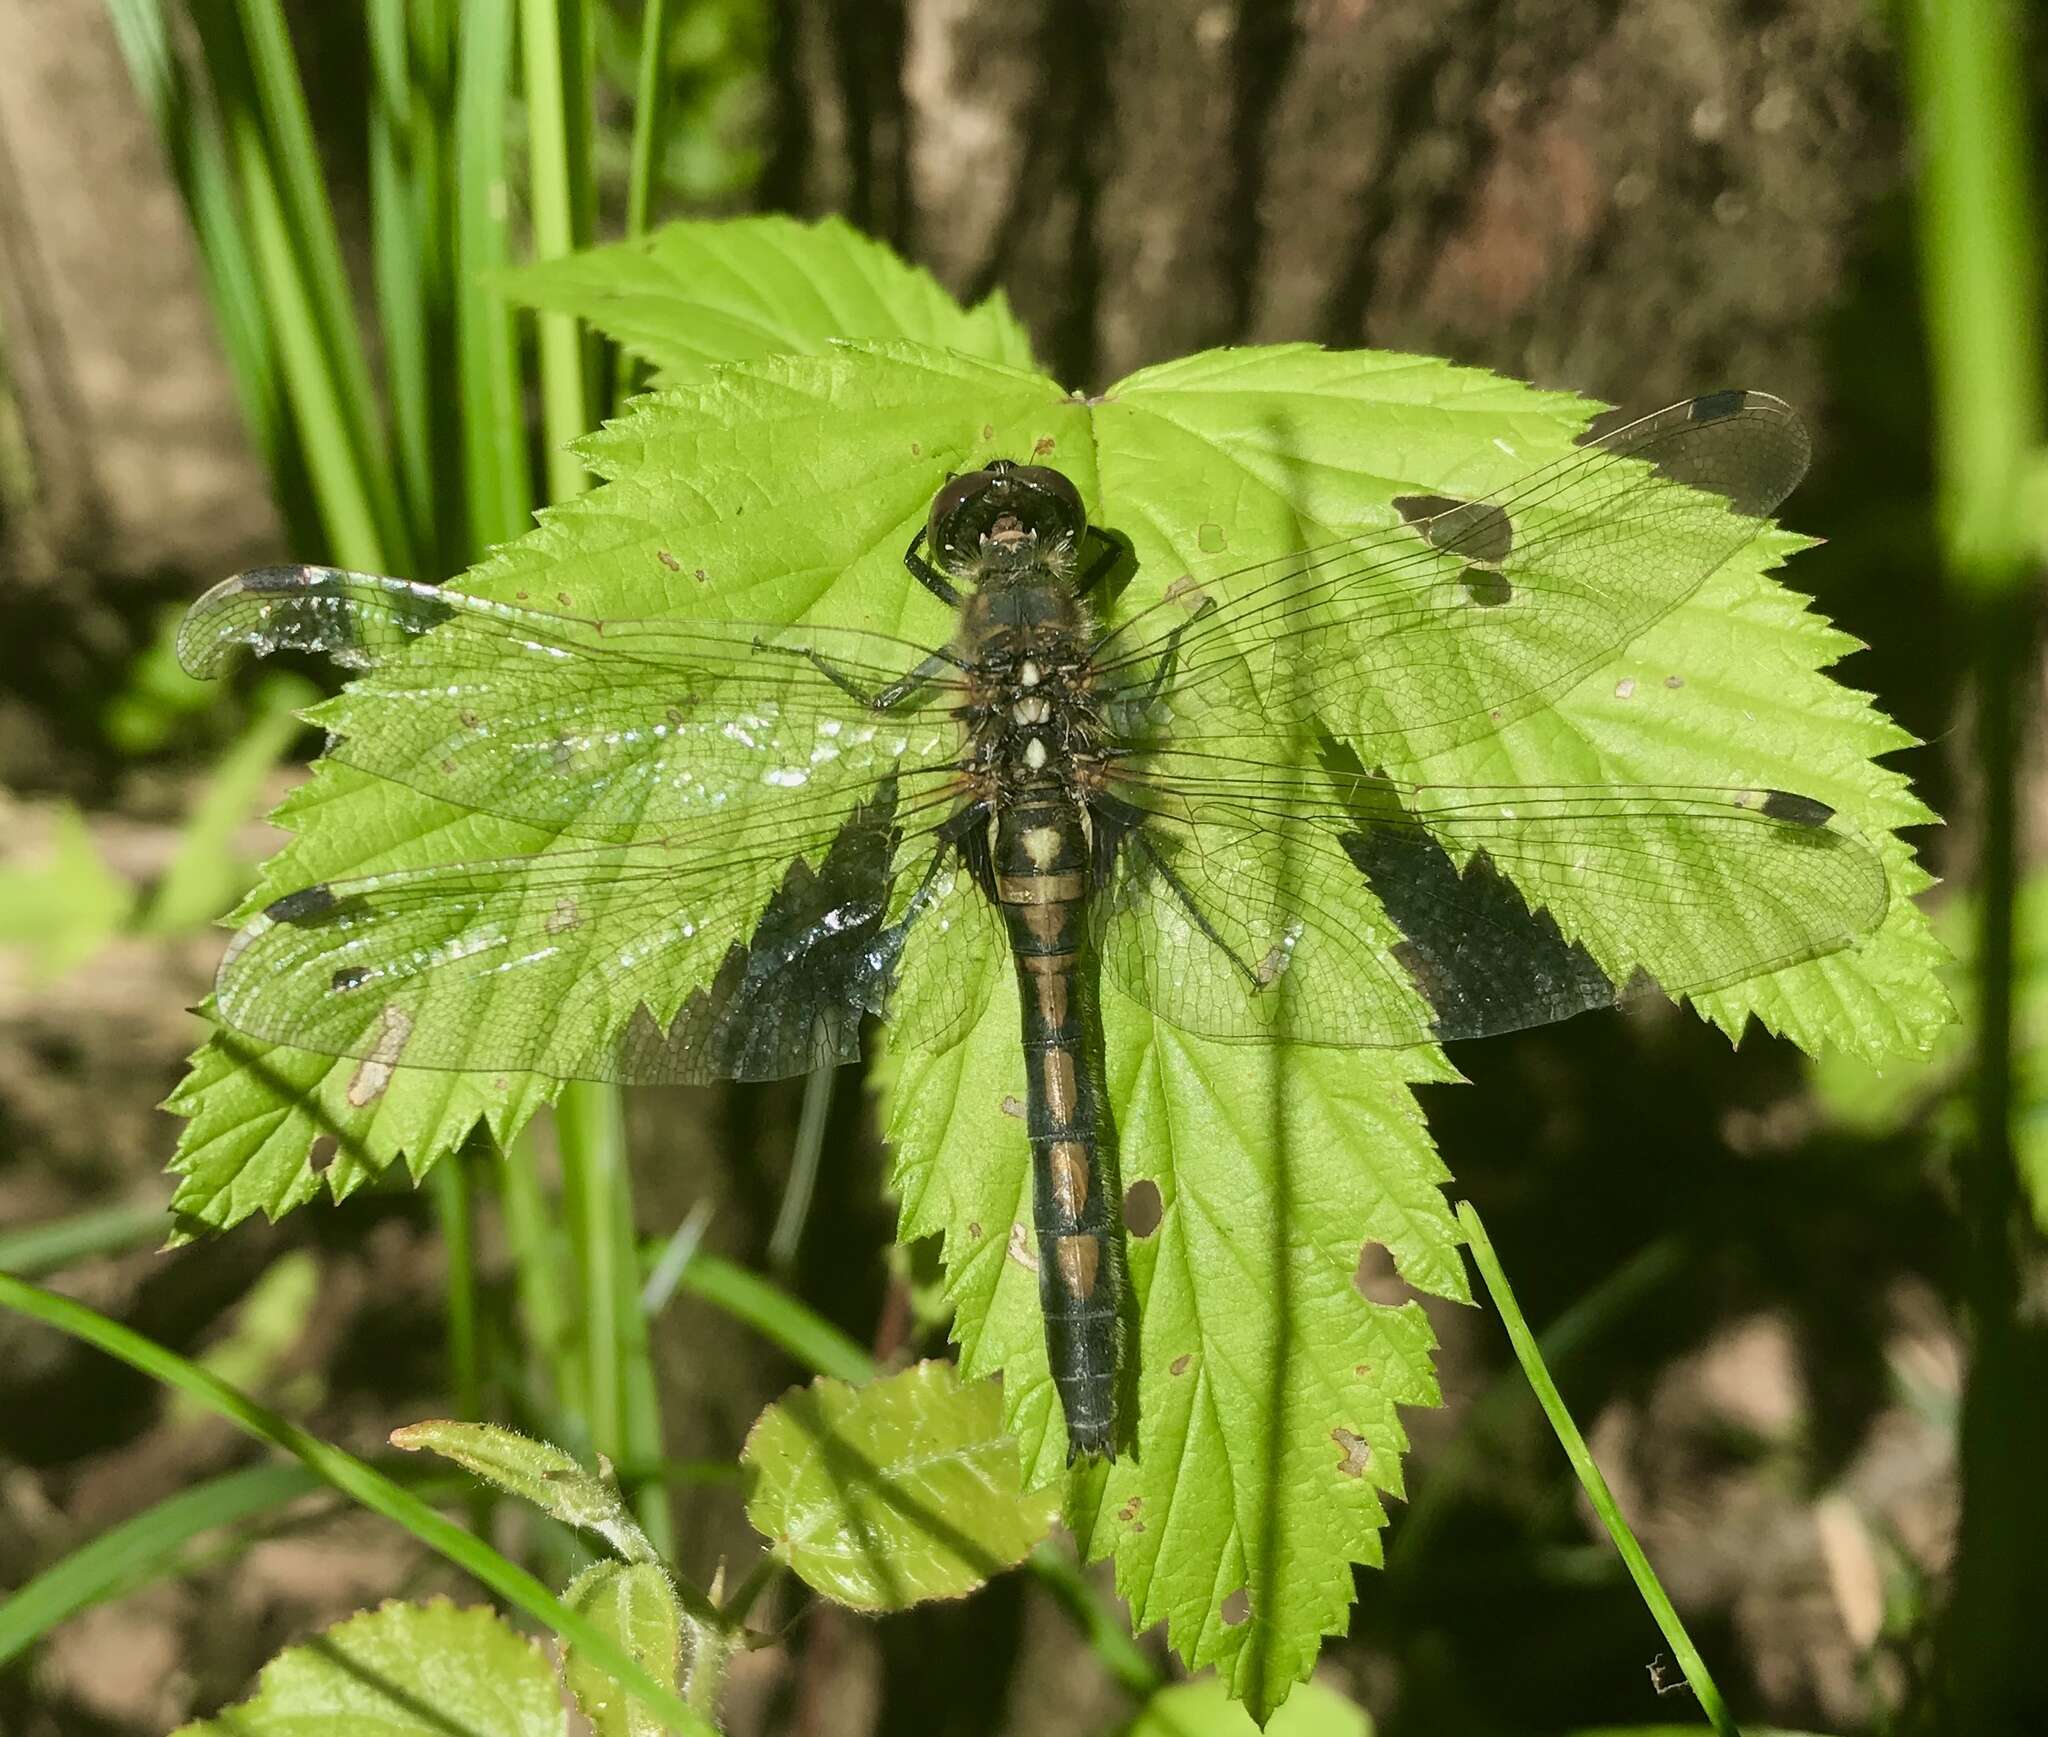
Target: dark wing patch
{"type": "Point", "coordinates": [1483, 960]}
{"type": "Point", "coordinates": [792, 997]}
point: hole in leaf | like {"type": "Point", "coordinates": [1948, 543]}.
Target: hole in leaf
{"type": "Point", "coordinates": [1142, 1208]}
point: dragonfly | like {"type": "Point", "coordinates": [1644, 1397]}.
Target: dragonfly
{"type": "Point", "coordinates": [753, 838]}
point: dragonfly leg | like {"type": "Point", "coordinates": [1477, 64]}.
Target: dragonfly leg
{"type": "Point", "coordinates": [1136, 839]}
{"type": "Point", "coordinates": [1170, 656]}
{"type": "Point", "coordinates": [927, 575]}
{"type": "Point", "coordinates": [882, 699]}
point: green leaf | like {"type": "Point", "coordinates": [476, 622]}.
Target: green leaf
{"type": "Point", "coordinates": [402, 1670]}
{"type": "Point", "coordinates": [885, 1495]}
{"type": "Point", "coordinates": [785, 489]}
{"type": "Point", "coordinates": [551, 1480]}
{"type": "Point", "coordinates": [703, 292]}
{"type": "Point", "coordinates": [1204, 1709]}
{"type": "Point", "coordinates": [634, 1604]}
{"type": "Point", "coordinates": [794, 485]}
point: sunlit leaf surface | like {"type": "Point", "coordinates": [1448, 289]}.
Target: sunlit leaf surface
{"type": "Point", "coordinates": [1258, 1176]}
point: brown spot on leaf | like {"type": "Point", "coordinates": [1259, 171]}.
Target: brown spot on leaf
{"type": "Point", "coordinates": [974, 1228]}
{"type": "Point", "coordinates": [1236, 1607]}
{"type": "Point", "coordinates": [1674, 681]}
{"type": "Point", "coordinates": [1180, 1365]}
{"type": "Point", "coordinates": [1142, 1208]}
{"type": "Point", "coordinates": [373, 1074]}
{"type": "Point", "coordinates": [1357, 1452]}
{"type": "Point", "coordinates": [668, 560]}
{"type": "Point", "coordinates": [917, 449]}
{"type": "Point", "coordinates": [322, 1153]}
{"type": "Point", "coordinates": [988, 431]}
{"type": "Point", "coordinates": [1041, 446]}
{"type": "Point", "coordinates": [562, 597]}
{"type": "Point", "coordinates": [1130, 1511]}
{"type": "Point", "coordinates": [1013, 1105]}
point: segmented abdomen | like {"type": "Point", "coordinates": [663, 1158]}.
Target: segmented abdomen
{"type": "Point", "coordinates": [1041, 882]}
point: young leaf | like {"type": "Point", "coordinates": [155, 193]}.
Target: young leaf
{"type": "Point", "coordinates": [885, 1495]}
{"type": "Point", "coordinates": [535, 1472]}
{"type": "Point", "coordinates": [634, 1604]}
{"type": "Point", "coordinates": [402, 1670]}
{"type": "Point", "coordinates": [692, 294]}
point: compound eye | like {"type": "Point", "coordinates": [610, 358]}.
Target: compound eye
{"type": "Point", "coordinates": [956, 494]}
{"type": "Point", "coordinates": [1055, 483]}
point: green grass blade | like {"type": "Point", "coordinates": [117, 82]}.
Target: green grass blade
{"type": "Point", "coordinates": [340, 483]}
{"type": "Point", "coordinates": [496, 475]}
{"type": "Point", "coordinates": [35, 1249]}
{"type": "Point", "coordinates": [305, 223]}
{"type": "Point", "coordinates": [650, 116]}
{"type": "Point", "coordinates": [1595, 1486]}
{"type": "Point", "coordinates": [454, 1202]}
{"type": "Point", "coordinates": [193, 144]}
{"type": "Point", "coordinates": [531, 1233]}
{"type": "Point", "coordinates": [142, 1547]}
{"type": "Point", "coordinates": [552, 108]}
{"type": "Point", "coordinates": [650, 141]}
{"type": "Point", "coordinates": [641, 1395]}
{"type": "Point", "coordinates": [1608, 1303]}
{"type": "Point", "coordinates": [590, 1129]}
{"type": "Point", "coordinates": [398, 233]}
{"type": "Point", "coordinates": [361, 1483]}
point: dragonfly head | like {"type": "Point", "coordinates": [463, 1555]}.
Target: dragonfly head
{"type": "Point", "coordinates": [1007, 521]}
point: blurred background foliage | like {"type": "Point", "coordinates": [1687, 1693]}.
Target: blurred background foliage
{"type": "Point", "coordinates": [1798, 1314]}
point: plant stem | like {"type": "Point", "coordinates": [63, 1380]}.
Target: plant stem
{"type": "Point", "coordinates": [590, 1125]}
{"type": "Point", "coordinates": [500, 488]}
{"type": "Point", "coordinates": [303, 225]}
{"type": "Point", "coordinates": [1982, 286]}
{"type": "Point", "coordinates": [545, 26]}
{"type": "Point", "coordinates": [1595, 1486]}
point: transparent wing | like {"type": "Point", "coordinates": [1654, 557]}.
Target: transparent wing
{"type": "Point", "coordinates": [751, 957]}
{"type": "Point", "coordinates": [1468, 614]}
{"type": "Point", "coordinates": [1254, 902]}
{"type": "Point", "coordinates": [601, 729]}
